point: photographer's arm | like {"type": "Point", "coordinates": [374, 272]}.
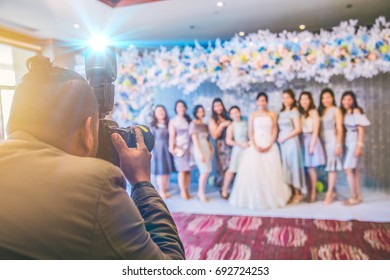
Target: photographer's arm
{"type": "Point", "coordinates": [141, 228]}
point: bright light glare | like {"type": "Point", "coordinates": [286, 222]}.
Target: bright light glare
{"type": "Point", "coordinates": [98, 43]}
{"type": "Point", "coordinates": [220, 4]}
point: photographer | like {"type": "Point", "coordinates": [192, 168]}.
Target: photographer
{"type": "Point", "coordinates": [59, 202]}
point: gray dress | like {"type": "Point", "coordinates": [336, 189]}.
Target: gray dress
{"type": "Point", "coordinates": [183, 142]}
{"type": "Point", "coordinates": [162, 161]}
{"type": "Point", "coordinates": [202, 131]}
{"type": "Point", "coordinates": [328, 136]}
{"type": "Point", "coordinates": [351, 123]}
{"type": "Point", "coordinates": [291, 152]}
{"type": "Point", "coordinates": [318, 156]}
{"type": "Point", "coordinates": [240, 134]}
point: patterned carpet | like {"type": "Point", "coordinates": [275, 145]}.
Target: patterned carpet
{"type": "Point", "coordinates": [240, 237]}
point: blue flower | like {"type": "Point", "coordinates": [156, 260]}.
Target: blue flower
{"type": "Point", "coordinates": [296, 57]}
{"type": "Point", "coordinates": [265, 66]}
{"type": "Point", "coordinates": [365, 38]}
{"type": "Point", "coordinates": [261, 49]}
{"type": "Point", "coordinates": [354, 51]}
{"type": "Point", "coordinates": [132, 80]}
{"type": "Point", "coordinates": [295, 48]}
{"type": "Point", "coordinates": [218, 68]}
{"type": "Point", "coordinates": [378, 45]}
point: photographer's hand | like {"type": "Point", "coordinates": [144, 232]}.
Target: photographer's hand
{"type": "Point", "coordinates": [134, 162]}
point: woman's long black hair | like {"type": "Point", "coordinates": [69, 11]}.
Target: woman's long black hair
{"type": "Point", "coordinates": [214, 115]}
{"type": "Point", "coordinates": [154, 119]}
{"type": "Point", "coordinates": [321, 108]}
{"type": "Point", "coordinates": [196, 108]}
{"type": "Point", "coordinates": [311, 106]}
{"type": "Point", "coordinates": [355, 104]}
{"type": "Point", "coordinates": [187, 117]}
{"type": "Point", "coordinates": [292, 95]}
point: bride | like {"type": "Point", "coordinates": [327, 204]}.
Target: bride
{"type": "Point", "coordinates": [259, 183]}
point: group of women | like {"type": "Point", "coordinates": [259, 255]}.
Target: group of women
{"type": "Point", "coordinates": [269, 153]}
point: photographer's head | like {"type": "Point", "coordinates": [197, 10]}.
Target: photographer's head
{"type": "Point", "coordinates": [57, 106]}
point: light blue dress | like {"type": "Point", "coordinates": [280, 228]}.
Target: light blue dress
{"type": "Point", "coordinates": [318, 156]}
{"type": "Point", "coordinates": [328, 136]}
{"type": "Point", "coordinates": [240, 134]}
{"type": "Point", "coordinates": [351, 123]}
{"type": "Point", "coordinates": [291, 151]}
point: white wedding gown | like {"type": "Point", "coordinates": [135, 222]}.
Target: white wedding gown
{"type": "Point", "coordinates": [259, 181]}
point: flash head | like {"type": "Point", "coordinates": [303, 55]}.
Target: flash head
{"type": "Point", "coordinates": [101, 72]}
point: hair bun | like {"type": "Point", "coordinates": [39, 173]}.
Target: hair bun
{"type": "Point", "coordinates": [39, 65]}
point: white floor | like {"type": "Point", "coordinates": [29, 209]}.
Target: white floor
{"type": "Point", "coordinates": [375, 208]}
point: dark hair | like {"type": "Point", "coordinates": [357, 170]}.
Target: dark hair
{"type": "Point", "coordinates": [154, 119]}
{"type": "Point", "coordinates": [196, 108]}
{"type": "Point", "coordinates": [234, 107]}
{"type": "Point", "coordinates": [51, 98]}
{"type": "Point", "coordinates": [260, 94]}
{"type": "Point", "coordinates": [187, 117]}
{"type": "Point", "coordinates": [214, 114]}
{"type": "Point", "coordinates": [354, 104]}
{"type": "Point", "coordinates": [312, 106]}
{"type": "Point", "coordinates": [292, 95]}
{"type": "Point", "coordinates": [321, 108]}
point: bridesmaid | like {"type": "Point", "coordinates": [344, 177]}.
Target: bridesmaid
{"type": "Point", "coordinates": [314, 155]}
{"type": "Point", "coordinates": [236, 136]}
{"type": "Point", "coordinates": [354, 123]}
{"type": "Point", "coordinates": [202, 148]}
{"type": "Point", "coordinates": [162, 161]}
{"type": "Point", "coordinates": [179, 146]}
{"type": "Point", "coordinates": [292, 160]}
{"type": "Point", "coordinates": [217, 126]}
{"type": "Point", "coordinates": [332, 137]}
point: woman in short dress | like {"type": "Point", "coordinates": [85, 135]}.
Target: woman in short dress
{"type": "Point", "coordinates": [179, 146]}
{"type": "Point", "coordinates": [237, 137]}
{"type": "Point", "coordinates": [292, 158]}
{"type": "Point", "coordinates": [314, 154]}
{"type": "Point", "coordinates": [162, 161]}
{"type": "Point", "coordinates": [218, 124]}
{"type": "Point", "coordinates": [202, 148]}
{"type": "Point", "coordinates": [354, 123]}
{"type": "Point", "coordinates": [332, 137]}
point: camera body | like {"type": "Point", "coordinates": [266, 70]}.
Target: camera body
{"type": "Point", "coordinates": [101, 72]}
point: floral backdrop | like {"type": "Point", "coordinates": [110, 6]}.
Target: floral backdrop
{"type": "Point", "coordinates": [349, 50]}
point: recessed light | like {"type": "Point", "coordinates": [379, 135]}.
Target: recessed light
{"type": "Point", "coordinates": [302, 27]}
{"type": "Point", "coordinates": [76, 25]}
{"type": "Point", "coordinates": [220, 4]}
{"type": "Point", "coordinates": [241, 33]}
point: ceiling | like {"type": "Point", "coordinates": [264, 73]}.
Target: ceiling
{"type": "Point", "coordinates": [173, 22]}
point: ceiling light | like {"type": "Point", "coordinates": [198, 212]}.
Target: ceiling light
{"type": "Point", "coordinates": [76, 25]}
{"type": "Point", "coordinates": [220, 4]}
{"type": "Point", "coordinates": [241, 33]}
{"type": "Point", "coordinates": [302, 27]}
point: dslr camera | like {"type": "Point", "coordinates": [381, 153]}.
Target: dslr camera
{"type": "Point", "coordinates": [101, 72]}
